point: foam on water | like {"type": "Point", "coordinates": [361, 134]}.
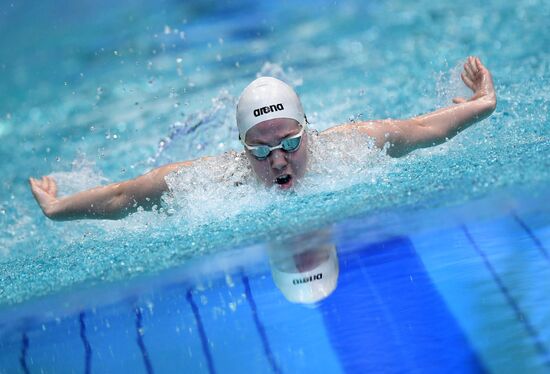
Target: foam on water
{"type": "Point", "coordinates": [222, 187]}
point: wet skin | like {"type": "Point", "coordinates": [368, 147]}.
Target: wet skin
{"type": "Point", "coordinates": [279, 163]}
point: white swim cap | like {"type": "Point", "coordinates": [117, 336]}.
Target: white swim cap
{"type": "Point", "coordinates": [267, 98]}
{"type": "Point", "coordinates": [310, 286]}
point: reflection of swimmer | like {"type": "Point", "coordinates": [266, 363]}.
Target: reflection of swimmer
{"type": "Point", "coordinates": [305, 276]}
{"type": "Point", "coordinates": [272, 127]}
{"type": "Point", "coordinates": [305, 267]}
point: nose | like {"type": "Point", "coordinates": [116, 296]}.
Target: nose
{"type": "Point", "coordinates": [278, 160]}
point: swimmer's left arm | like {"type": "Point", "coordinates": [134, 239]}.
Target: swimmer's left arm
{"type": "Point", "coordinates": [404, 136]}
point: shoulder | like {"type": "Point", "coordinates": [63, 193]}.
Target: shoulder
{"type": "Point", "coordinates": [369, 128]}
{"type": "Point", "coordinates": [379, 131]}
{"type": "Point", "coordinates": [177, 166]}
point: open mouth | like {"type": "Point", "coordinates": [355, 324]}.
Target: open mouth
{"type": "Point", "coordinates": [284, 180]}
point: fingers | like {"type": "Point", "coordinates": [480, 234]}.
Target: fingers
{"type": "Point", "coordinates": [459, 100]}
{"type": "Point", "coordinates": [472, 69]}
{"type": "Point", "coordinates": [42, 191]}
{"type": "Point", "coordinates": [45, 184]}
{"type": "Point", "coordinates": [473, 64]}
{"type": "Point", "coordinates": [52, 186]}
{"type": "Point", "coordinates": [468, 68]}
{"type": "Point", "coordinates": [35, 183]}
{"type": "Point", "coordinates": [479, 65]}
{"type": "Point", "coordinates": [48, 183]}
{"type": "Point", "coordinates": [467, 80]}
{"type": "Point", "coordinates": [36, 189]}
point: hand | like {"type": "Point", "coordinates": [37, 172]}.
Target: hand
{"type": "Point", "coordinates": [479, 80]}
{"type": "Point", "coordinates": [45, 193]}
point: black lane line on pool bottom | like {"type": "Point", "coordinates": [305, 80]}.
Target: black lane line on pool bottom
{"type": "Point", "coordinates": [140, 342]}
{"type": "Point", "coordinates": [259, 325]}
{"type": "Point", "coordinates": [531, 234]}
{"type": "Point", "coordinates": [520, 315]}
{"type": "Point", "coordinates": [86, 343]}
{"type": "Point", "coordinates": [202, 333]}
{"type": "Point", "coordinates": [24, 350]}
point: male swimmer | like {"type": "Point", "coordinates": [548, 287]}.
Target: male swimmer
{"type": "Point", "coordinates": [272, 128]}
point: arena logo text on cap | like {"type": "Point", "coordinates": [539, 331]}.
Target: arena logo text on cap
{"type": "Point", "coordinates": [268, 109]}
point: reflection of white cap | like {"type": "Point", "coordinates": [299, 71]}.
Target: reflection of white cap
{"type": "Point", "coordinates": [267, 98]}
{"type": "Point", "coordinates": [308, 286]}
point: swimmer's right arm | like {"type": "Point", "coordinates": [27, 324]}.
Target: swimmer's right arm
{"type": "Point", "coordinates": [113, 201]}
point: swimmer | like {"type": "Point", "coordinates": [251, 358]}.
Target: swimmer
{"type": "Point", "coordinates": [272, 124]}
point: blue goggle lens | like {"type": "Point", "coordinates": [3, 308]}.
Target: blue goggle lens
{"type": "Point", "coordinates": [289, 145]}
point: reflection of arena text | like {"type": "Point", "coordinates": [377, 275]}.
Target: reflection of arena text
{"type": "Point", "coordinates": [305, 269]}
{"type": "Point", "coordinates": [309, 279]}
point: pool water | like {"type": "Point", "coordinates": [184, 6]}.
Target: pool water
{"type": "Point", "coordinates": [466, 296]}
{"type": "Point", "coordinates": [94, 92]}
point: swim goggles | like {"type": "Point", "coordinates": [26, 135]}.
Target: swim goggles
{"type": "Point", "coordinates": [290, 144]}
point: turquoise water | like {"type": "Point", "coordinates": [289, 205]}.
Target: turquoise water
{"type": "Point", "coordinates": [105, 92]}
{"type": "Point", "coordinates": [466, 296]}
{"type": "Point", "coordinates": [443, 254]}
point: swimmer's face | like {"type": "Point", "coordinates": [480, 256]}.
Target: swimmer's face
{"type": "Point", "coordinates": [279, 167]}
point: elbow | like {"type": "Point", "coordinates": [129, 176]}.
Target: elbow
{"type": "Point", "coordinates": [489, 105]}
{"type": "Point", "coordinates": [119, 205]}
{"type": "Point", "coordinates": [492, 104]}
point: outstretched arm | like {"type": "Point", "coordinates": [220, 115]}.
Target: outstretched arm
{"type": "Point", "coordinates": [404, 136]}
{"type": "Point", "coordinates": [113, 201]}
